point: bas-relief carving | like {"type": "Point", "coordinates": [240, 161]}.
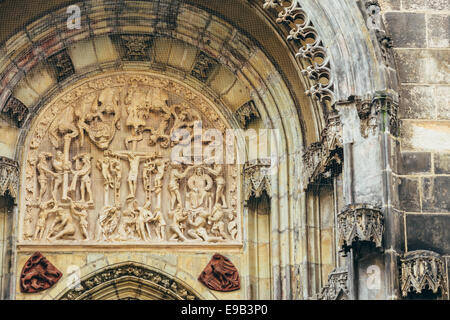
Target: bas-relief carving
{"type": "Point", "coordinates": [38, 274]}
{"type": "Point", "coordinates": [220, 274]}
{"type": "Point", "coordinates": [98, 168]}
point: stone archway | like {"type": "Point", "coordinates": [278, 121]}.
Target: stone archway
{"type": "Point", "coordinates": [129, 281]}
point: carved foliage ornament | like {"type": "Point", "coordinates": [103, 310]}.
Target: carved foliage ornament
{"type": "Point", "coordinates": [310, 47]}
{"type": "Point", "coordinates": [322, 160]}
{"type": "Point", "coordinates": [246, 113]}
{"type": "Point", "coordinates": [337, 286]}
{"type": "Point", "coordinates": [257, 178]}
{"type": "Point", "coordinates": [423, 269]}
{"type": "Point", "coordinates": [136, 47]}
{"type": "Point", "coordinates": [63, 64]}
{"type": "Point", "coordinates": [360, 222]}
{"type": "Point", "coordinates": [220, 274]}
{"type": "Point", "coordinates": [117, 273]}
{"type": "Point", "coordinates": [100, 167]}
{"type": "Point", "coordinates": [38, 274]}
{"type": "Point", "coordinates": [9, 177]}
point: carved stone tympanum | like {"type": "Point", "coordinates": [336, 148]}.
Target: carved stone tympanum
{"type": "Point", "coordinates": [220, 274]}
{"type": "Point", "coordinates": [423, 269]}
{"type": "Point", "coordinates": [111, 161]}
{"type": "Point", "coordinates": [38, 274]}
{"type": "Point", "coordinates": [360, 222]}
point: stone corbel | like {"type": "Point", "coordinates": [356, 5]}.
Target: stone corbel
{"type": "Point", "coordinates": [323, 160]}
{"type": "Point", "coordinates": [423, 269]}
{"type": "Point", "coordinates": [337, 286]}
{"type": "Point", "coordinates": [257, 178]}
{"type": "Point", "coordinates": [369, 111]}
{"type": "Point", "coordinates": [360, 223]}
{"type": "Point", "coordinates": [246, 113]}
{"type": "Point", "coordinates": [9, 178]}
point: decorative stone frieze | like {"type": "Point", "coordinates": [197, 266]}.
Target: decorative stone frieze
{"type": "Point", "coordinates": [38, 274]}
{"type": "Point", "coordinates": [310, 47]}
{"type": "Point", "coordinates": [323, 160]}
{"type": "Point", "coordinates": [257, 178]}
{"type": "Point", "coordinates": [246, 113]}
{"type": "Point", "coordinates": [9, 177]}
{"type": "Point", "coordinates": [369, 111]}
{"type": "Point", "coordinates": [63, 64]}
{"type": "Point", "coordinates": [15, 110]}
{"type": "Point", "coordinates": [157, 280]}
{"type": "Point", "coordinates": [358, 223]}
{"type": "Point", "coordinates": [136, 47]}
{"type": "Point", "coordinates": [337, 286]}
{"type": "Point", "coordinates": [220, 274]}
{"type": "Point", "coordinates": [423, 269]}
{"type": "Point", "coordinates": [203, 66]}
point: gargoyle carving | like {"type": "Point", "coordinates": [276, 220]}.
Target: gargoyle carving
{"type": "Point", "coordinates": [38, 274]}
{"type": "Point", "coordinates": [220, 274]}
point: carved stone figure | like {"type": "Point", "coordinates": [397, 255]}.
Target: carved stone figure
{"type": "Point", "coordinates": [38, 274]}
{"type": "Point", "coordinates": [179, 217]}
{"type": "Point", "coordinates": [220, 275]}
{"type": "Point", "coordinates": [216, 219]}
{"type": "Point", "coordinates": [80, 210]}
{"type": "Point", "coordinates": [107, 222]}
{"type": "Point", "coordinates": [60, 167]}
{"type": "Point", "coordinates": [198, 227]}
{"type": "Point", "coordinates": [99, 116]}
{"type": "Point", "coordinates": [174, 184]}
{"type": "Point", "coordinates": [199, 183]}
{"type": "Point", "coordinates": [42, 171]}
{"type": "Point", "coordinates": [232, 226]}
{"type": "Point", "coordinates": [63, 226]}
{"type": "Point", "coordinates": [217, 171]}
{"type": "Point", "coordinates": [83, 170]}
{"type": "Point", "coordinates": [45, 210]}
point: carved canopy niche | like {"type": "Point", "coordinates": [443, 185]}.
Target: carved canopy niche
{"type": "Point", "coordinates": [99, 167]}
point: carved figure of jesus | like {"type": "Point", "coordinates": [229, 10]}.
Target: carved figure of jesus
{"type": "Point", "coordinates": [134, 160]}
{"type": "Point", "coordinates": [199, 184]}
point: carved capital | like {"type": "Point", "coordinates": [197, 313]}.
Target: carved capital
{"type": "Point", "coordinates": [246, 113]}
{"type": "Point", "coordinates": [369, 111]}
{"type": "Point", "coordinates": [360, 222]}
{"type": "Point", "coordinates": [63, 64]}
{"type": "Point", "coordinates": [423, 269]}
{"type": "Point", "coordinates": [309, 47]}
{"type": "Point", "coordinates": [15, 110]}
{"type": "Point", "coordinates": [9, 177]}
{"type": "Point", "coordinates": [257, 178]}
{"type": "Point", "coordinates": [323, 160]}
{"type": "Point", "coordinates": [337, 286]}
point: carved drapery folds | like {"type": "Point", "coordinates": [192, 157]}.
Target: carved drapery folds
{"type": "Point", "coordinates": [358, 223]}
{"type": "Point", "coordinates": [310, 47]}
{"type": "Point", "coordinates": [246, 113]}
{"type": "Point", "coordinates": [423, 269]}
{"type": "Point", "coordinates": [220, 275]}
{"type": "Point", "coordinates": [337, 286]}
{"type": "Point", "coordinates": [157, 281]}
{"type": "Point", "coordinates": [63, 64]}
{"type": "Point", "coordinates": [15, 110]}
{"type": "Point", "coordinates": [369, 112]}
{"type": "Point", "coordinates": [323, 160]}
{"type": "Point", "coordinates": [257, 178]}
{"type": "Point", "coordinates": [38, 274]}
{"type": "Point", "coordinates": [9, 177]}
{"type": "Point", "coordinates": [111, 161]}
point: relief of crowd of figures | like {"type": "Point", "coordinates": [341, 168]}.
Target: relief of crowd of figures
{"type": "Point", "coordinates": [99, 168]}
